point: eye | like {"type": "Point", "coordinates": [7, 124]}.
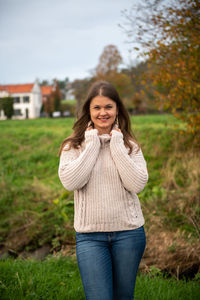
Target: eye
{"type": "Point", "coordinates": [96, 107]}
{"type": "Point", "coordinates": [109, 106]}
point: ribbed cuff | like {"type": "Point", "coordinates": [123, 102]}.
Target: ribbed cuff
{"type": "Point", "coordinates": [116, 134]}
{"type": "Point", "coordinates": [91, 135]}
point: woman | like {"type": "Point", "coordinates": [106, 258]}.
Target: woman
{"type": "Point", "coordinates": [104, 166]}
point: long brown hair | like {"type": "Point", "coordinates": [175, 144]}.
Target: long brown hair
{"type": "Point", "coordinates": [106, 89]}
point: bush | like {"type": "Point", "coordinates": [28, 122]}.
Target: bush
{"type": "Point", "coordinates": [7, 106]}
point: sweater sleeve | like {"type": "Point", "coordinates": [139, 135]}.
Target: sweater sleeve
{"type": "Point", "coordinates": [74, 172]}
{"type": "Point", "coordinates": [132, 168]}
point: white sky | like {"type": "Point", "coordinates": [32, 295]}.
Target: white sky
{"type": "Point", "coordinates": [49, 39]}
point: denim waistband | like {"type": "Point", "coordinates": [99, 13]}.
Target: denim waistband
{"type": "Point", "coordinates": [108, 236]}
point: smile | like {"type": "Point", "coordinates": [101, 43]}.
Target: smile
{"type": "Point", "coordinates": [103, 119]}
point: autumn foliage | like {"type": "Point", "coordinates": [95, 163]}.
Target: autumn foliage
{"type": "Point", "coordinates": [177, 63]}
{"type": "Point", "coordinates": [109, 61]}
{"type": "Point", "coordinates": [108, 69]}
{"type": "Point", "coordinates": [170, 39]}
{"type": "Point", "coordinates": [53, 101]}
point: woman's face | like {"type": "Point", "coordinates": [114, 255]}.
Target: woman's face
{"type": "Point", "coordinates": [103, 112]}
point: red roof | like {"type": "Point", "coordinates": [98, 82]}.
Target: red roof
{"type": "Point", "coordinates": [17, 88]}
{"type": "Point", "coordinates": [46, 89]}
{"type": "Point", "coordinates": [25, 88]}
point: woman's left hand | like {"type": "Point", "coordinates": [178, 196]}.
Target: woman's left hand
{"type": "Point", "coordinates": [115, 128]}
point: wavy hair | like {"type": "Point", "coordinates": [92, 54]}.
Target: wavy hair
{"type": "Point", "coordinates": [106, 89]}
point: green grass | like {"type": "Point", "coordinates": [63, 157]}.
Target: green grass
{"type": "Point", "coordinates": [29, 179]}
{"type": "Point", "coordinates": [35, 209]}
{"type": "Point", "coordinates": [56, 278]}
{"type": "Point", "coordinates": [29, 171]}
{"type": "Point", "coordinates": [59, 279]}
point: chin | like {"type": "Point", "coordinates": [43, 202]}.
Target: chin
{"type": "Point", "coordinates": [106, 128]}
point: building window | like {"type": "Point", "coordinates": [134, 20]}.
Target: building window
{"type": "Point", "coordinates": [16, 99]}
{"type": "Point", "coordinates": [17, 112]}
{"type": "Point", "coordinates": [27, 113]}
{"type": "Point", "coordinates": [26, 99]}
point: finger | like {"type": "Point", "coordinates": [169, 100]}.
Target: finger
{"type": "Point", "coordinates": [89, 128]}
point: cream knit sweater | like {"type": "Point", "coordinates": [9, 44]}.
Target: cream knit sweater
{"type": "Point", "coordinates": [105, 180]}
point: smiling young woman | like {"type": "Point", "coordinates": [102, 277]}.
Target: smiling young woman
{"type": "Point", "coordinates": [105, 167]}
{"type": "Point", "coordinates": [101, 89]}
{"type": "Point", "coordinates": [103, 113]}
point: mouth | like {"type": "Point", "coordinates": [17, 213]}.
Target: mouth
{"type": "Point", "coordinates": [103, 119]}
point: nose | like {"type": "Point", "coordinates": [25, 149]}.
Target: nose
{"type": "Point", "coordinates": [102, 111]}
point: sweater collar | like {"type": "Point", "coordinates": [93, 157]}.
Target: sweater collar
{"type": "Point", "coordinates": [104, 138]}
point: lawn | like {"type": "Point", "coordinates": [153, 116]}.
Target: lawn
{"type": "Point", "coordinates": [36, 210]}
{"type": "Point", "coordinates": [57, 278]}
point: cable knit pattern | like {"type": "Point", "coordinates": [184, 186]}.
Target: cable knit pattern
{"type": "Point", "coordinates": [132, 169]}
{"type": "Point", "coordinates": [105, 180]}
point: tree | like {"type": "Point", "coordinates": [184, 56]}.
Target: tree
{"type": "Point", "coordinates": [45, 82]}
{"type": "Point", "coordinates": [7, 106]}
{"type": "Point", "coordinates": [122, 83]}
{"type": "Point", "coordinates": [80, 88]}
{"type": "Point", "coordinates": [173, 52]}
{"type": "Point", "coordinates": [143, 100]}
{"type": "Point", "coordinates": [108, 69]}
{"type": "Point", "coordinates": [109, 61]}
{"type": "Point", "coordinates": [49, 106]}
{"type": "Point", "coordinates": [63, 83]}
{"type": "Point", "coordinates": [56, 96]}
{"type": "Point", "coordinates": [53, 101]}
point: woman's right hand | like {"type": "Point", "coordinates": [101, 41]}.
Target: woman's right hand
{"type": "Point", "coordinates": [89, 126]}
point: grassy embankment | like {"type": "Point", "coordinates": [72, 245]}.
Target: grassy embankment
{"type": "Point", "coordinates": [35, 210]}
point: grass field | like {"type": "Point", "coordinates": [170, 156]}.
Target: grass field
{"type": "Point", "coordinates": [59, 279]}
{"type": "Point", "coordinates": [31, 190]}
{"type": "Point", "coordinates": [35, 209]}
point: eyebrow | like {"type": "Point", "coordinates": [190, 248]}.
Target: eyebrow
{"type": "Point", "coordinates": [94, 105]}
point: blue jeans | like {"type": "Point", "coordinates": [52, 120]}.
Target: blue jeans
{"type": "Point", "coordinates": [108, 262]}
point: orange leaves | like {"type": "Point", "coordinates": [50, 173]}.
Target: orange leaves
{"type": "Point", "coordinates": [109, 61]}
{"type": "Point", "coordinates": [169, 36]}
{"type": "Point", "coordinates": [107, 69]}
{"type": "Point", "coordinates": [175, 63]}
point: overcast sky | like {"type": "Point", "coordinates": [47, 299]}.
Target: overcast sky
{"type": "Point", "coordinates": [48, 39]}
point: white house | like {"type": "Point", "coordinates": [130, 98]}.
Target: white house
{"type": "Point", "coordinates": [27, 100]}
{"type": "Point", "coordinates": [70, 95]}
